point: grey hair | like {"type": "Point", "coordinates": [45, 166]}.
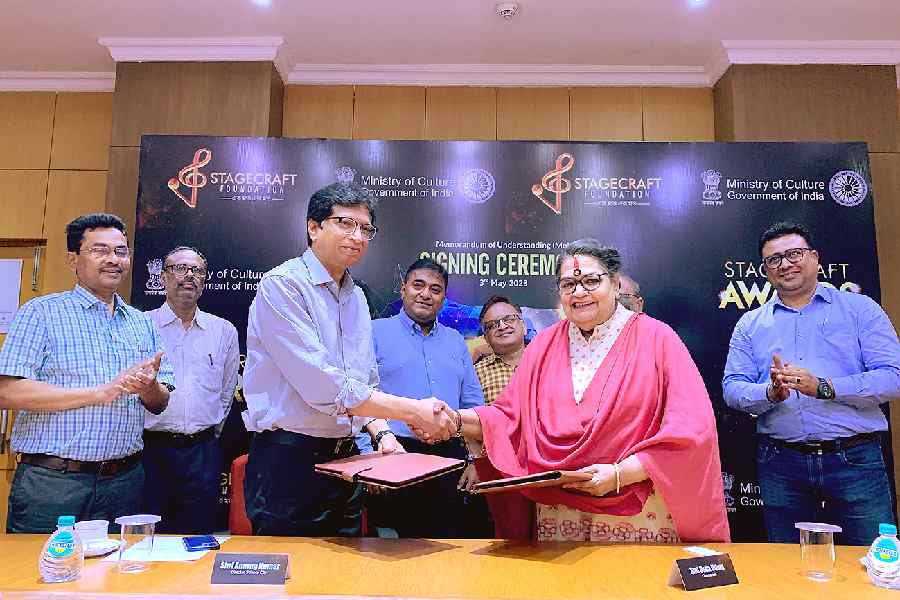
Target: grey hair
{"type": "Point", "coordinates": [609, 257]}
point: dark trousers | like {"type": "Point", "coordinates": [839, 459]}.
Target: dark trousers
{"type": "Point", "coordinates": [39, 495]}
{"type": "Point", "coordinates": [435, 508]}
{"type": "Point", "coordinates": [183, 484]}
{"type": "Point", "coordinates": [285, 496]}
{"type": "Point", "coordinates": [851, 483]}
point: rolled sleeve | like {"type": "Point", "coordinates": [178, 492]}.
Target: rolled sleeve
{"type": "Point", "coordinates": [26, 344]}
{"type": "Point", "coordinates": [290, 336]}
{"type": "Point", "coordinates": [472, 392]}
{"type": "Point", "coordinates": [739, 384]}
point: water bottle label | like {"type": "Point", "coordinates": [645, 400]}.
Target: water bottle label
{"type": "Point", "coordinates": [61, 546]}
{"type": "Point", "coordinates": [886, 551]}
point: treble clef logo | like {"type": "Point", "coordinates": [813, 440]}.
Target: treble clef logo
{"type": "Point", "coordinates": [190, 176]}
{"type": "Point", "coordinates": [555, 183]}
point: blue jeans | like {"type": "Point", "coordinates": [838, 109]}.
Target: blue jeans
{"type": "Point", "coordinates": [848, 487]}
{"type": "Point", "coordinates": [39, 495]}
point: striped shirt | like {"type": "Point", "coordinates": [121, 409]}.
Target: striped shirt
{"type": "Point", "coordinates": [71, 340]}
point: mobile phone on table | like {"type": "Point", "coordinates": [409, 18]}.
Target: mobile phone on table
{"type": "Point", "coordinates": [194, 543]}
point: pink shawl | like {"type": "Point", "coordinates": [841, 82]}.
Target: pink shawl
{"type": "Point", "coordinates": [647, 398]}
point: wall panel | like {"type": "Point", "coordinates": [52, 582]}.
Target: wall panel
{"type": "Point", "coordinates": [460, 113]}
{"type": "Point", "coordinates": [318, 111]}
{"type": "Point", "coordinates": [389, 113]}
{"type": "Point", "coordinates": [606, 114]}
{"type": "Point", "coordinates": [532, 114]}
{"type": "Point", "coordinates": [26, 125]}
{"type": "Point", "coordinates": [678, 114]}
{"type": "Point", "coordinates": [81, 131]}
{"type": "Point", "coordinates": [24, 194]}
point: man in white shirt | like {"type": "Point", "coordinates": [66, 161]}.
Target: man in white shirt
{"type": "Point", "coordinates": [182, 457]}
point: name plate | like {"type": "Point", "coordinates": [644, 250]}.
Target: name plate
{"type": "Point", "coordinates": [703, 572]}
{"type": "Point", "coordinates": [231, 567]}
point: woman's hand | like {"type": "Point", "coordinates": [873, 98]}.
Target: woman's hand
{"type": "Point", "coordinates": [602, 483]}
{"type": "Point", "coordinates": [469, 478]}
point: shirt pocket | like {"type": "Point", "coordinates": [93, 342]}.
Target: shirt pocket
{"type": "Point", "coordinates": [838, 346]}
{"type": "Point", "coordinates": [130, 347]}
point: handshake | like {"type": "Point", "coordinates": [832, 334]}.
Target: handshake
{"type": "Point", "coordinates": [435, 421]}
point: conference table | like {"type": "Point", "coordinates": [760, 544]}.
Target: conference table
{"type": "Point", "coordinates": [447, 569]}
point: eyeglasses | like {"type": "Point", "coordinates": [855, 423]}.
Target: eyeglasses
{"type": "Point", "coordinates": [589, 282]}
{"type": "Point", "coordinates": [508, 320]}
{"type": "Point", "coordinates": [104, 251]}
{"type": "Point", "coordinates": [349, 225]}
{"type": "Point", "coordinates": [182, 270]}
{"type": "Point", "coordinates": [633, 296]}
{"type": "Point", "coordinates": [793, 256]}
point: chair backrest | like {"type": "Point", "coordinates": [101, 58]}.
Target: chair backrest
{"type": "Point", "coordinates": [238, 523]}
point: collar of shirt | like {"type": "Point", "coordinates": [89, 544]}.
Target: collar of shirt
{"type": "Point", "coordinates": [619, 316]}
{"type": "Point", "coordinates": [823, 292]}
{"type": "Point", "coordinates": [318, 274]}
{"type": "Point", "coordinates": [86, 299]}
{"type": "Point", "coordinates": [167, 316]}
{"type": "Point", "coordinates": [414, 327]}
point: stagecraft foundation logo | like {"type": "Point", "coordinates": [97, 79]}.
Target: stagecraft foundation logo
{"type": "Point", "coordinates": [848, 188]}
{"type": "Point", "coordinates": [154, 282]}
{"type": "Point", "coordinates": [478, 186]}
{"type": "Point", "coordinates": [555, 183]}
{"type": "Point", "coordinates": [191, 177]}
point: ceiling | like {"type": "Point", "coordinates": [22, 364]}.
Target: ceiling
{"type": "Point", "coordinates": [347, 35]}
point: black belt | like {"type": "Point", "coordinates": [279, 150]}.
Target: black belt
{"type": "Point", "coordinates": [322, 447]}
{"type": "Point", "coordinates": [815, 447]}
{"type": "Point", "coordinates": [179, 440]}
{"type": "Point", "coordinates": [107, 468]}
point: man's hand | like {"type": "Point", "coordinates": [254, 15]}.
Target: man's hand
{"type": "Point", "coordinates": [435, 421]}
{"type": "Point", "coordinates": [389, 444]}
{"type": "Point", "coordinates": [777, 390]}
{"type": "Point", "coordinates": [137, 379]}
{"type": "Point", "coordinates": [800, 379]}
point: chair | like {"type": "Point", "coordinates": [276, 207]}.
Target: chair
{"type": "Point", "coordinates": [238, 523]}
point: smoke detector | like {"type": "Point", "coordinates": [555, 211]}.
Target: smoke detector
{"type": "Point", "coordinates": [507, 10]}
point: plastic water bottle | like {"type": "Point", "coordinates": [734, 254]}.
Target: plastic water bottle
{"type": "Point", "coordinates": [62, 558]}
{"type": "Point", "coordinates": [884, 557]}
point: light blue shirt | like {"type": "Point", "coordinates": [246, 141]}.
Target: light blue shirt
{"type": "Point", "coordinates": [420, 366]}
{"type": "Point", "coordinates": [71, 340]}
{"type": "Point", "coordinates": [205, 357]}
{"type": "Point", "coordinates": [841, 336]}
{"type": "Point", "coordinates": [309, 352]}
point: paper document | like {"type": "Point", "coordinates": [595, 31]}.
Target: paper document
{"type": "Point", "coordinates": [10, 280]}
{"type": "Point", "coordinates": [166, 548]}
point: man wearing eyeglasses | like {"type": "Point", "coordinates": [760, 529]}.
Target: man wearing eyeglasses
{"type": "Point", "coordinates": [182, 456]}
{"type": "Point", "coordinates": [814, 364]}
{"type": "Point", "coordinates": [80, 367]}
{"type": "Point", "coordinates": [629, 294]}
{"type": "Point", "coordinates": [504, 331]}
{"type": "Point", "coordinates": [311, 380]}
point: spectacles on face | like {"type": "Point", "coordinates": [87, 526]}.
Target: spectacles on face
{"type": "Point", "coordinates": [101, 251]}
{"type": "Point", "coordinates": [349, 225]}
{"type": "Point", "coordinates": [508, 320]}
{"type": "Point", "coordinates": [181, 270]}
{"type": "Point", "coordinates": [793, 256]}
{"type": "Point", "coordinates": [589, 282]}
{"type": "Point", "coordinates": [631, 296]}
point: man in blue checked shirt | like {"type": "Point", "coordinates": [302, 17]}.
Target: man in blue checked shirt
{"type": "Point", "coordinates": [80, 367]}
{"type": "Point", "coordinates": [814, 364]}
{"type": "Point", "coordinates": [418, 357]}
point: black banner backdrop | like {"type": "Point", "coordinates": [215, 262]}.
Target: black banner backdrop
{"type": "Point", "coordinates": [685, 216]}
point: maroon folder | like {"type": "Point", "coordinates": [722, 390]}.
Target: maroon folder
{"type": "Point", "coordinates": [535, 480]}
{"type": "Point", "coordinates": [390, 471]}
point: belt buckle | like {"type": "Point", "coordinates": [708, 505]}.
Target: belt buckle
{"type": "Point", "coordinates": [107, 468]}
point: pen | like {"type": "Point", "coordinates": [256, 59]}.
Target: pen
{"type": "Point", "coordinates": [210, 360]}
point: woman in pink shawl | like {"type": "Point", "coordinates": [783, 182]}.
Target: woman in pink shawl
{"type": "Point", "coordinates": [615, 394]}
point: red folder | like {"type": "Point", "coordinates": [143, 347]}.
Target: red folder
{"type": "Point", "coordinates": [535, 480]}
{"type": "Point", "coordinates": [390, 471]}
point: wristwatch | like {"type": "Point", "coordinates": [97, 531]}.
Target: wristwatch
{"type": "Point", "coordinates": [824, 391]}
{"type": "Point", "coordinates": [376, 441]}
{"type": "Point", "coordinates": [168, 386]}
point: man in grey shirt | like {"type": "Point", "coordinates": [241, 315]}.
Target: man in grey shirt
{"type": "Point", "coordinates": [310, 378]}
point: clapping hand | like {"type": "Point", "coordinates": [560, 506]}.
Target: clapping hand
{"type": "Point", "coordinates": [779, 391]}
{"type": "Point", "coordinates": [136, 379]}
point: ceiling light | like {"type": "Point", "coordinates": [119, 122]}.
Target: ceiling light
{"type": "Point", "coordinates": [262, 3]}
{"type": "Point", "coordinates": [507, 10]}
